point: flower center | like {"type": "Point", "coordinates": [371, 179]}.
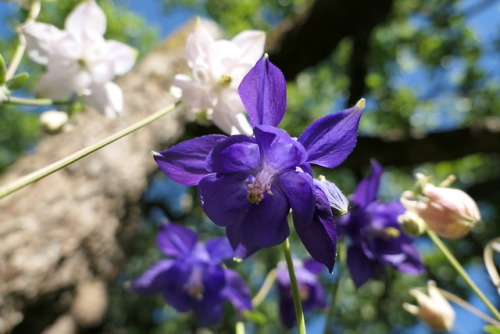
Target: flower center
{"type": "Point", "coordinates": [82, 62]}
{"type": "Point", "coordinates": [225, 80]}
{"type": "Point", "coordinates": [194, 285]}
{"type": "Point", "coordinates": [386, 233]}
{"type": "Point", "coordinates": [261, 184]}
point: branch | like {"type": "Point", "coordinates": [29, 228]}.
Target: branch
{"type": "Point", "coordinates": [310, 37]}
{"type": "Point", "coordinates": [402, 151]}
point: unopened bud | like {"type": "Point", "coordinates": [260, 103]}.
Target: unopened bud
{"type": "Point", "coordinates": [449, 212]}
{"type": "Point", "coordinates": [433, 309]}
{"type": "Point", "coordinates": [411, 224]}
{"type": "Point", "coordinates": [53, 121]}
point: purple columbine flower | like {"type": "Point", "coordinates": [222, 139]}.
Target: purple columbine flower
{"type": "Point", "coordinates": [249, 184]}
{"type": "Point", "coordinates": [375, 234]}
{"type": "Point", "coordinates": [311, 292]}
{"type": "Point", "coordinates": [193, 278]}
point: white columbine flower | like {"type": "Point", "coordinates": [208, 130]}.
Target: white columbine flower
{"type": "Point", "coordinates": [218, 66]}
{"type": "Point", "coordinates": [79, 60]}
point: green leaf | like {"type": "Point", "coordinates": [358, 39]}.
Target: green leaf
{"type": "Point", "coordinates": [491, 329]}
{"type": "Point", "coordinates": [3, 70]}
{"type": "Point", "coordinates": [17, 82]}
{"type": "Point", "coordinates": [256, 317]}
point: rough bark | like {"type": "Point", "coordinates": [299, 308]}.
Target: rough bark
{"type": "Point", "coordinates": [65, 234]}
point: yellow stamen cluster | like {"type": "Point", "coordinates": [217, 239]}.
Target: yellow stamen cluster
{"type": "Point", "coordinates": [225, 80]}
{"type": "Point", "coordinates": [256, 191]}
{"type": "Point", "coordinates": [391, 233]}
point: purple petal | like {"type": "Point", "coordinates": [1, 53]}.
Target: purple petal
{"type": "Point", "coordinates": [209, 309]}
{"type": "Point", "coordinates": [263, 93]}
{"type": "Point", "coordinates": [174, 293]}
{"type": "Point", "coordinates": [320, 237]}
{"type": "Point", "coordinates": [313, 266]}
{"type": "Point", "coordinates": [287, 310]}
{"type": "Point", "coordinates": [367, 189]}
{"type": "Point", "coordinates": [176, 240]}
{"type": "Point", "coordinates": [186, 163]}
{"type": "Point", "coordinates": [219, 249]}
{"type": "Point", "coordinates": [298, 188]}
{"type": "Point", "coordinates": [265, 225]}
{"type": "Point", "coordinates": [412, 263]}
{"type": "Point", "coordinates": [316, 297]}
{"type": "Point", "coordinates": [152, 281]}
{"type": "Point", "coordinates": [279, 151]}
{"type": "Point", "coordinates": [224, 198]}
{"type": "Point", "coordinates": [237, 154]}
{"type": "Point", "coordinates": [329, 140]}
{"type": "Point", "coordinates": [237, 291]}
{"type": "Point", "coordinates": [359, 266]}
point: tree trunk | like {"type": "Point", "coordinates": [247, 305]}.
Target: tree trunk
{"type": "Point", "coordinates": [61, 238]}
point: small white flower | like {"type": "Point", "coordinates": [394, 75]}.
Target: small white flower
{"type": "Point", "coordinates": [78, 59]}
{"type": "Point", "coordinates": [217, 68]}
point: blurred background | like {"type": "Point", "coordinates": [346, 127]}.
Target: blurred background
{"type": "Point", "coordinates": [430, 72]}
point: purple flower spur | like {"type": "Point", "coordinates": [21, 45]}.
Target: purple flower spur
{"type": "Point", "coordinates": [375, 235]}
{"type": "Point", "coordinates": [193, 277]}
{"type": "Point", "coordinates": [249, 184]}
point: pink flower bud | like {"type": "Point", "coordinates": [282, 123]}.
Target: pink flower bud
{"type": "Point", "coordinates": [433, 309]}
{"type": "Point", "coordinates": [449, 212]}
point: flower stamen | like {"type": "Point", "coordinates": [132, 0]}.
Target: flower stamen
{"type": "Point", "coordinates": [225, 80]}
{"type": "Point", "coordinates": [262, 184]}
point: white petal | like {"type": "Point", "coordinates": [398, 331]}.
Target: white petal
{"type": "Point", "coordinates": [198, 43]}
{"type": "Point", "coordinates": [120, 56]}
{"type": "Point", "coordinates": [68, 46]}
{"type": "Point", "coordinates": [251, 44]}
{"type": "Point", "coordinates": [192, 93]}
{"type": "Point", "coordinates": [107, 99]}
{"type": "Point", "coordinates": [40, 39]}
{"type": "Point", "coordinates": [229, 114]}
{"type": "Point", "coordinates": [101, 72]}
{"type": "Point", "coordinates": [53, 86]}
{"type": "Point", "coordinates": [86, 17]}
{"type": "Point", "coordinates": [221, 58]}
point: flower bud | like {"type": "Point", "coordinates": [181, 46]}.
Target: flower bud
{"type": "Point", "coordinates": [411, 224]}
{"type": "Point", "coordinates": [449, 212]}
{"type": "Point", "coordinates": [433, 309]}
{"type": "Point", "coordinates": [53, 121]}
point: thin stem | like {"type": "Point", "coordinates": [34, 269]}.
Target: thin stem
{"type": "Point", "coordinates": [41, 173]}
{"type": "Point", "coordinates": [341, 257]}
{"type": "Point", "coordinates": [461, 271]}
{"type": "Point", "coordinates": [240, 327]}
{"type": "Point", "coordinates": [28, 102]}
{"type": "Point", "coordinates": [490, 263]}
{"type": "Point", "coordinates": [459, 301]}
{"type": "Point", "coordinates": [265, 288]}
{"type": "Point", "coordinates": [301, 324]}
{"type": "Point", "coordinates": [21, 44]}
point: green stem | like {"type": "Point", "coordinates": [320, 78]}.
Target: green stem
{"type": "Point", "coordinates": [461, 271]}
{"type": "Point", "coordinates": [41, 173]}
{"type": "Point", "coordinates": [21, 45]}
{"type": "Point", "coordinates": [240, 327]}
{"type": "Point", "coordinates": [264, 290]}
{"type": "Point", "coordinates": [330, 312]}
{"type": "Point", "coordinates": [301, 324]}
{"type": "Point", "coordinates": [459, 301]}
{"type": "Point", "coordinates": [28, 102]}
